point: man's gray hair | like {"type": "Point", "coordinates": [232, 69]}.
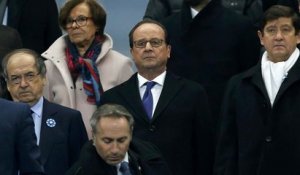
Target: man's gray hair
{"type": "Point", "coordinates": [110, 111]}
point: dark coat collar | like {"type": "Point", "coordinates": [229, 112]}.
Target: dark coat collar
{"type": "Point", "coordinates": [255, 75]}
{"type": "Point", "coordinates": [171, 87]}
{"type": "Point", "coordinates": [48, 135]}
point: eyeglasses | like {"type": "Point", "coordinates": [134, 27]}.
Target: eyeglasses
{"type": "Point", "coordinates": [28, 77]}
{"type": "Point", "coordinates": [155, 42]}
{"type": "Point", "coordinates": [80, 21]}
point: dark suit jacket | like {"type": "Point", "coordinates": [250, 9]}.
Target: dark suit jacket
{"type": "Point", "coordinates": [181, 126]}
{"type": "Point", "coordinates": [144, 159]}
{"type": "Point", "coordinates": [18, 149]}
{"type": "Point", "coordinates": [212, 47]}
{"type": "Point", "coordinates": [36, 21]}
{"type": "Point", "coordinates": [10, 40]}
{"type": "Point", "coordinates": [60, 145]}
{"type": "Point", "coordinates": [255, 138]}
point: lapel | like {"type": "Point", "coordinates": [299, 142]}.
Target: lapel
{"type": "Point", "coordinates": [58, 58]}
{"type": "Point", "coordinates": [258, 81]}
{"type": "Point", "coordinates": [133, 99]}
{"type": "Point", "coordinates": [292, 77]}
{"type": "Point", "coordinates": [15, 12]}
{"type": "Point", "coordinates": [134, 163]}
{"type": "Point", "coordinates": [48, 135]}
{"type": "Point", "coordinates": [171, 87]}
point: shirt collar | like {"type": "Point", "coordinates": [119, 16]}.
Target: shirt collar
{"type": "Point", "coordinates": [194, 12]}
{"type": "Point", "coordinates": [38, 107]}
{"type": "Point", "coordinates": [158, 80]}
{"type": "Point", "coordinates": [126, 159]}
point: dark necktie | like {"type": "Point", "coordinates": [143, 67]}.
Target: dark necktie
{"type": "Point", "coordinates": [124, 168]}
{"type": "Point", "coordinates": [148, 99]}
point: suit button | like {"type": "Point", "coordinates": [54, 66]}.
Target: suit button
{"type": "Point", "coordinates": [268, 139]}
{"type": "Point", "coordinates": [152, 128]}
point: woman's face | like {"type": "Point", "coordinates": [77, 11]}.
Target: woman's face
{"type": "Point", "coordinates": [80, 26]}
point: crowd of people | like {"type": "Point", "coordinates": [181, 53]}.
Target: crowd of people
{"type": "Point", "coordinates": [205, 92]}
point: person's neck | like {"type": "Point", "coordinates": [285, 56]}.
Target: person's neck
{"type": "Point", "coordinates": [201, 5]}
{"type": "Point", "coordinates": [82, 50]}
{"type": "Point", "coordinates": [83, 47]}
{"type": "Point", "coordinates": [150, 74]}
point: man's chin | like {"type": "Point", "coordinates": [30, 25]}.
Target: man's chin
{"type": "Point", "coordinates": [113, 161]}
{"type": "Point", "coordinates": [25, 100]}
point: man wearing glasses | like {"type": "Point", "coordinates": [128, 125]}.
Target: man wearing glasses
{"type": "Point", "coordinates": [60, 131]}
{"type": "Point", "coordinates": [170, 111]}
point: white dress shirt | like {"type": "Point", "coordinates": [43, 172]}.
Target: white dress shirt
{"type": "Point", "coordinates": [37, 110]}
{"type": "Point", "coordinates": [126, 159]}
{"type": "Point", "coordinates": [156, 90]}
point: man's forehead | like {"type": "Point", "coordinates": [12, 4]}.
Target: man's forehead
{"type": "Point", "coordinates": [148, 32]}
{"type": "Point", "coordinates": [20, 57]}
{"type": "Point", "coordinates": [280, 21]}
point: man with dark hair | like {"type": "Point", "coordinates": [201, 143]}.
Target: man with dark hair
{"type": "Point", "coordinates": [60, 131]}
{"type": "Point", "coordinates": [113, 150]}
{"type": "Point", "coordinates": [170, 111]}
{"type": "Point", "coordinates": [259, 130]}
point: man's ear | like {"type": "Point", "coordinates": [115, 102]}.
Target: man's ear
{"type": "Point", "coordinates": [260, 35]}
{"type": "Point", "coordinates": [93, 139]}
{"type": "Point", "coordinates": [298, 37]}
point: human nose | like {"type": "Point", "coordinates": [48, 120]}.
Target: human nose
{"type": "Point", "coordinates": [23, 82]}
{"type": "Point", "coordinates": [114, 148]}
{"type": "Point", "coordinates": [278, 35]}
{"type": "Point", "coordinates": [74, 24]}
{"type": "Point", "coordinates": [148, 46]}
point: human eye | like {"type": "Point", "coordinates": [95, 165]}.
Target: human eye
{"type": "Point", "coordinates": [107, 140]}
{"type": "Point", "coordinates": [15, 79]}
{"type": "Point", "coordinates": [29, 76]}
{"type": "Point", "coordinates": [140, 43]}
{"type": "Point", "coordinates": [286, 30]}
{"type": "Point", "coordinates": [81, 19]}
{"type": "Point", "coordinates": [155, 42]}
{"type": "Point", "coordinates": [69, 21]}
{"type": "Point", "coordinates": [271, 31]}
{"type": "Point", "coordinates": [122, 140]}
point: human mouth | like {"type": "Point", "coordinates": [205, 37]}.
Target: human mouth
{"type": "Point", "coordinates": [24, 93]}
{"type": "Point", "coordinates": [279, 45]}
{"type": "Point", "coordinates": [148, 57]}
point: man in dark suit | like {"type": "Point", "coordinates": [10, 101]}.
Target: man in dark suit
{"type": "Point", "coordinates": [10, 40]}
{"type": "Point", "coordinates": [18, 149]}
{"type": "Point", "coordinates": [35, 20]}
{"type": "Point", "coordinates": [178, 121]}
{"type": "Point", "coordinates": [113, 150]}
{"type": "Point", "coordinates": [259, 131]}
{"type": "Point", "coordinates": [60, 131]}
{"type": "Point", "coordinates": [209, 45]}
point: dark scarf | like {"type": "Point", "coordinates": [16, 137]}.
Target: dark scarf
{"type": "Point", "coordinates": [86, 67]}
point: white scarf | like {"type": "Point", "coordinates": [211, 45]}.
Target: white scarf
{"type": "Point", "coordinates": [274, 73]}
